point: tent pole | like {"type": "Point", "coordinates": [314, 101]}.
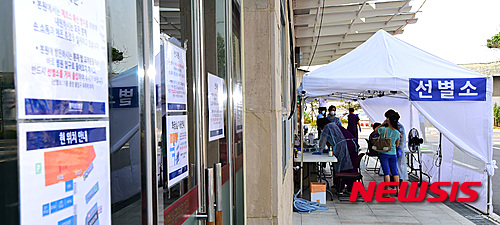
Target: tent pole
{"type": "Point", "coordinates": [489, 209]}
{"type": "Point", "coordinates": [440, 157]}
{"type": "Point", "coordinates": [411, 115]}
{"type": "Point", "coordinates": [301, 143]}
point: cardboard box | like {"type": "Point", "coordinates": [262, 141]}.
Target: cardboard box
{"type": "Point", "coordinates": [318, 192]}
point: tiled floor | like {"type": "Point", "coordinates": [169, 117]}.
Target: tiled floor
{"type": "Point", "coordinates": [381, 212]}
{"type": "Point", "coordinates": [129, 215]}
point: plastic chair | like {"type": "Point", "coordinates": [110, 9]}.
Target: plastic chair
{"type": "Point", "coordinates": [371, 153]}
{"type": "Point", "coordinates": [354, 176]}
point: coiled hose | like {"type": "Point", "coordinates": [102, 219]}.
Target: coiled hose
{"type": "Point", "coordinates": [305, 207]}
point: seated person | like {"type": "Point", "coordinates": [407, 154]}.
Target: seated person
{"type": "Point", "coordinates": [373, 135]}
{"type": "Point", "coordinates": [346, 151]}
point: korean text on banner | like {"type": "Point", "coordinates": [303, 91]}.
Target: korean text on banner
{"type": "Point", "coordinates": [449, 89]}
{"type": "Point", "coordinates": [177, 149]}
{"type": "Point", "coordinates": [215, 107]}
{"type": "Point", "coordinates": [175, 78]}
{"type": "Point", "coordinates": [61, 59]}
{"type": "Point", "coordinates": [64, 173]}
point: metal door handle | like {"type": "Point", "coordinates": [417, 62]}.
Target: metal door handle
{"type": "Point", "coordinates": [209, 173]}
{"type": "Point", "coordinates": [209, 216]}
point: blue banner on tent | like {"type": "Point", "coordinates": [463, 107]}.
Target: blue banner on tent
{"type": "Point", "coordinates": [125, 97]}
{"type": "Point", "coordinates": [453, 89]}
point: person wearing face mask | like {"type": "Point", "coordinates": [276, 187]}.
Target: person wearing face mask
{"type": "Point", "coordinates": [331, 115]}
{"type": "Point", "coordinates": [321, 115]}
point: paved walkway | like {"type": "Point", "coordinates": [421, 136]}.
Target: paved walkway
{"type": "Point", "coordinates": [382, 212]}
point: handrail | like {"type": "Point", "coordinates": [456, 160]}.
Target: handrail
{"type": "Point", "coordinates": [120, 143]}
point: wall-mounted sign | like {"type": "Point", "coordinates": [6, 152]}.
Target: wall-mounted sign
{"type": "Point", "coordinates": [177, 149]}
{"type": "Point", "coordinates": [450, 89]}
{"type": "Point", "coordinates": [64, 173]}
{"type": "Point", "coordinates": [175, 78]}
{"type": "Point", "coordinates": [61, 59]}
{"type": "Point", "coordinates": [215, 107]}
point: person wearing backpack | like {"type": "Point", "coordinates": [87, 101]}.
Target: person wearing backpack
{"type": "Point", "coordinates": [388, 160]}
{"type": "Point", "coordinates": [400, 149]}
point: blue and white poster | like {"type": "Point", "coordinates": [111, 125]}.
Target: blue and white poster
{"type": "Point", "coordinates": [449, 89]}
{"type": "Point", "coordinates": [216, 100]}
{"type": "Point", "coordinates": [177, 149]}
{"type": "Point", "coordinates": [175, 78]}
{"type": "Point", "coordinates": [64, 173]}
{"type": "Point", "coordinates": [61, 59]}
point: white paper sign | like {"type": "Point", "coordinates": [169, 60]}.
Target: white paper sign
{"type": "Point", "coordinates": [64, 173]}
{"type": "Point", "coordinates": [175, 78]}
{"type": "Point", "coordinates": [215, 107]}
{"type": "Point", "coordinates": [177, 149]}
{"type": "Point", "coordinates": [61, 58]}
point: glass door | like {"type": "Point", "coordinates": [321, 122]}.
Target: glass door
{"type": "Point", "coordinates": [179, 152]}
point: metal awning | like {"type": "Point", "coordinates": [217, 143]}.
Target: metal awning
{"type": "Point", "coordinates": [346, 24]}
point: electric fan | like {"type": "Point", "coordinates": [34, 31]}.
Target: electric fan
{"type": "Point", "coordinates": [414, 141]}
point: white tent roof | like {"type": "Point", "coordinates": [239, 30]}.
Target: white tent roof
{"type": "Point", "coordinates": [383, 64]}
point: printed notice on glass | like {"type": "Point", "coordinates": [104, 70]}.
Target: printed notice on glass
{"type": "Point", "coordinates": [215, 107]}
{"type": "Point", "coordinates": [175, 78]}
{"type": "Point", "coordinates": [64, 173]}
{"type": "Point", "coordinates": [61, 58]}
{"type": "Point", "coordinates": [177, 149]}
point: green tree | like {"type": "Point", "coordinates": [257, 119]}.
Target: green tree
{"type": "Point", "coordinates": [496, 114]}
{"type": "Point", "coordinates": [310, 112]}
{"type": "Point", "coordinates": [494, 41]}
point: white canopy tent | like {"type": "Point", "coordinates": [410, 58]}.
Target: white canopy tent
{"type": "Point", "coordinates": [378, 73]}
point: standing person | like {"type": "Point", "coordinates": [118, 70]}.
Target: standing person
{"type": "Point", "coordinates": [331, 115]}
{"type": "Point", "coordinates": [400, 149]}
{"type": "Point", "coordinates": [388, 160]}
{"type": "Point", "coordinates": [353, 124]}
{"type": "Point", "coordinates": [321, 115]}
{"type": "Point", "coordinates": [333, 137]}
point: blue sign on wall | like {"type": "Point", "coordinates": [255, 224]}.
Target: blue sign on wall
{"type": "Point", "coordinates": [452, 89]}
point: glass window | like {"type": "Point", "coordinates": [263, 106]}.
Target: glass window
{"type": "Point", "coordinates": [125, 54]}
{"type": "Point", "coordinates": [9, 199]}
{"type": "Point", "coordinates": [286, 125]}
{"type": "Point", "coordinates": [238, 198]}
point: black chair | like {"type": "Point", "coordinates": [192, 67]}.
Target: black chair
{"type": "Point", "coordinates": [354, 176]}
{"type": "Point", "coordinates": [372, 154]}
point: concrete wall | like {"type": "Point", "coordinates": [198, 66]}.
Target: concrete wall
{"type": "Point", "coordinates": [268, 190]}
